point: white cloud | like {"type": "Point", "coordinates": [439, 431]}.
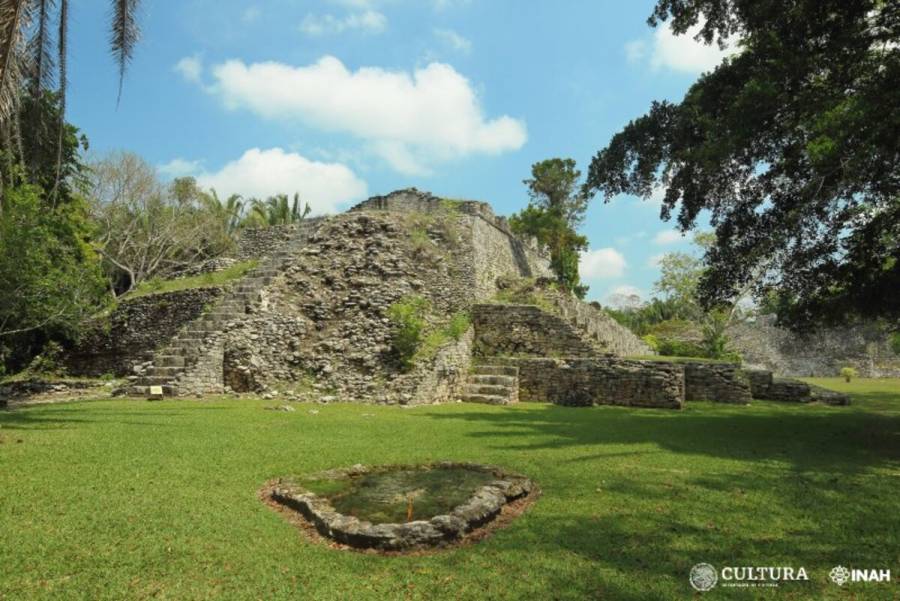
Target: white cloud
{"type": "Point", "coordinates": [368, 21]}
{"type": "Point", "coordinates": [179, 168]}
{"type": "Point", "coordinates": [454, 40]}
{"type": "Point", "coordinates": [262, 173]}
{"type": "Point", "coordinates": [679, 52]}
{"type": "Point", "coordinates": [601, 263]}
{"type": "Point", "coordinates": [190, 68]}
{"type": "Point", "coordinates": [411, 120]}
{"type": "Point", "coordinates": [667, 237]}
{"type": "Point", "coordinates": [251, 14]}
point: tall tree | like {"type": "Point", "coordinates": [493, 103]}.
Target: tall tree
{"type": "Point", "coordinates": [26, 67]}
{"type": "Point", "coordinates": [792, 145]}
{"type": "Point", "coordinates": [553, 215]}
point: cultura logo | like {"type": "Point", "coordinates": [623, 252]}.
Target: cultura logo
{"type": "Point", "coordinates": [839, 575]}
{"type": "Point", "coordinates": [703, 577]}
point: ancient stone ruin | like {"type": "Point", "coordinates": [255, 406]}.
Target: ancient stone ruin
{"type": "Point", "coordinates": [311, 322]}
{"type": "Point", "coordinates": [402, 508]}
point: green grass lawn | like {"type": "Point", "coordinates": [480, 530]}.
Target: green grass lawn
{"type": "Point", "coordinates": [131, 499]}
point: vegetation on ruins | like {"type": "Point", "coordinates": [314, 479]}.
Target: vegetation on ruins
{"type": "Point", "coordinates": [553, 215]}
{"type": "Point", "coordinates": [791, 145]}
{"type": "Point", "coordinates": [407, 327]}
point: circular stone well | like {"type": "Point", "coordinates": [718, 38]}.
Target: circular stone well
{"type": "Point", "coordinates": [401, 507]}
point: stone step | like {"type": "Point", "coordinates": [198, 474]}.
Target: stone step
{"type": "Point", "coordinates": [487, 399]}
{"type": "Point", "coordinates": [489, 389]}
{"type": "Point", "coordinates": [507, 361]}
{"type": "Point", "coordinates": [169, 361]}
{"type": "Point", "coordinates": [165, 372]}
{"type": "Point", "coordinates": [495, 370]}
{"type": "Point", "coordinates": [499, 380]}
{"type": "Point", "coordinates": [154, 380]}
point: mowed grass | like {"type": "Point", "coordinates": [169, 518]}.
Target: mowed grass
{"type": "Point", "coordinates": [137, 500]}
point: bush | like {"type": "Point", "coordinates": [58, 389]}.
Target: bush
{"type": "Point", "coordinates": [848, 373]}
{"type": "Point", "coordinates": [407, 325]}
{"type": "Point", "coordinates": [895, 342]}
{"type": "Point", "coordinates": [49, 362]}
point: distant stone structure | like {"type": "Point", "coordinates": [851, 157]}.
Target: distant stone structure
{"type": "Point", "coordinates": [824, 352]}
{"type": "Point", "coordinates": [311, 321]}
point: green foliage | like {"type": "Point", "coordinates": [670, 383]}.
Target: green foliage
{"type": "Point", "coordinates": [553, 215]}
{"type": "Point", "coordinates": [276, 210]}
{"type": "Point", "coordinates": [642, 319]}
{"type": "Point", "coordinates": [848, 373]}
{"type": "Point", "coordinates": [204, 280]}
{"type": "Point", "coordinates": [452, 330]}
{"type": "Point", "coordinates": [148, 229]}
{"type": "Point", "coordinates": [48, 363]}
{"type": "Point", "coordinates": [895, 342]}
{"type": "Point", "coordinates": [791, 145]}
{"type": "Point", "coordinates": [407, 318]}
{"type": "Point", "coordinates": [50, 278]}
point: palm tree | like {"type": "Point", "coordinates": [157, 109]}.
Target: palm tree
{"type": "Point", "coordinates": [277, 210]}
{"type": "Point", "coordinates": [26, 57]}
{"type": "Point", "coordinates": [230, 212]}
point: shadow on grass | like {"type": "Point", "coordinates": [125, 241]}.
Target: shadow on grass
{"type": "Point", "coordinates": [63, 415]}
{"type": "Point", "coordinates": [832, 441]}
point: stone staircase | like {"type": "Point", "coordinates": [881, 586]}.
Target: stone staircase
{"type": "Point", "coordinates": [596, 328]}
{"type": "Point", "coordinates": [496, 383]}
{"type": "Point", "coordinates": [172, 363]}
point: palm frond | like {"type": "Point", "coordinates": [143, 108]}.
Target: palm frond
{"type": "Point", "coordinates": [124, 35]}
{"type": "Point", "coordinates": [39, 46]}
{"type": "Point", "coordinates": [15, 16]}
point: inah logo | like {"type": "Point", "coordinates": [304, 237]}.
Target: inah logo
{"type": "Point", "coordinates": [839, 575]}
{"type": "Point", "coordinates": [703, 577]}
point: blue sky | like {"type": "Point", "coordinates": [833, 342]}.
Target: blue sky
{"type": "Point", "coordinates": [344, 99]}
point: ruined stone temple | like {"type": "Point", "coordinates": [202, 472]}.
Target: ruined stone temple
{"type": "Point", "coordinates": [311, 321]}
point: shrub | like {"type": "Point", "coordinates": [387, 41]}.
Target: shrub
{"type": "Point", "coordinates": [407, 324]}
{"type": "Point", "coordinates": [848, 373]}
{"type": "Point", "coordinates": [895, 342]}
{"type": "Point", "coordinates": [49, 362]}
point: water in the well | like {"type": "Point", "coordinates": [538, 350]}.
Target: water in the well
{"type": "Point", "coordinates": [401, 495]}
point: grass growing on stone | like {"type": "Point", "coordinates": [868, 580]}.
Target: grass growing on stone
{"type": "Point", "coordinates": [674, 359]}
{"type": "Point", "coordinates": [130, 499]}
{"type": "Point", "coordinates": [204, 280]}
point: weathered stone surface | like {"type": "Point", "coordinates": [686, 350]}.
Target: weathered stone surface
{"type": "Point", "coordinates": [524, 330]}
{"type": "Point", "coordinates": [584, 381]}
{"type": "Point", "coordinates": [717, 382]}
{"type": "Point", "coordinates": [863, 346]}
{"type": "Point", "coordinates": [484, 505]}
{"type": "Point", "coordinates": [135, 329]}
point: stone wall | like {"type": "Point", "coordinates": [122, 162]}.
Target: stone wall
{"type": "Point", "coordinates": [821, 353]}
{"type": "Point", "coordinates": [134, 329]}
{"type": "Point", "coordinates": [599, 326]}
{"type": "Point", "coordinates": [717, 382]}
{"type": "Point", "coordinates": [497, 253]}
{"type": "Point", "coordinates": [442, 380]}
{"type": "Point", "coordinates": [601, 381]}
{"type": "Point", "coordinates": [492, 250]}
{"type": "Point", "coordinates": [255, 243]}
{"type": "Point", "coordinates": [524, 330]}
